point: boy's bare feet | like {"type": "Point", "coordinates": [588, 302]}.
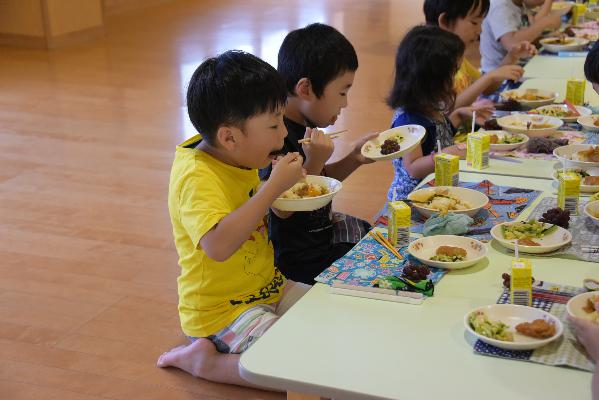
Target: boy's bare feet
{"type": "Point", "coordinates": [194, 358]}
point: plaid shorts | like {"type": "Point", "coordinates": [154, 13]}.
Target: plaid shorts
{"type": "Point", "coordinates": [252, 323]}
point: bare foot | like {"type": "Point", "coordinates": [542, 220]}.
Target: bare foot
{"type": "Point", "coordinates": [194, 358]}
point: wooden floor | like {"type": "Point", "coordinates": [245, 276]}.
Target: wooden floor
{"type": "Point", "coordinates": [87, 273]}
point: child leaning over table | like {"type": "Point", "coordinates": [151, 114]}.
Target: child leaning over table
{"type": "Point", "coordinates": [318, 65]}
{"type": "Point", "coordinates": [507, 25]}
{"type": "Point", "coordinates": [423, 94]}
{"type": "Point", "coordinates": [230, 292]}
{"type": "Point", "coordinates": [587, 334]}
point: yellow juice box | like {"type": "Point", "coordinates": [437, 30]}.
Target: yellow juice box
{"type": "Point", "coordinates": [521, 282]}
{"type": "Point", "coordinates": [399, 216]}
{"type": "Point", "coordinates": [479, 145]}
{"type": "Point", "coordinates": [578, 11]}
{"type": "Point", "coordinates": [568, 192]}
{"type": "Point", "coordinates": [575, 91]}
{"type": "Point", "coordinates": [447, 169]}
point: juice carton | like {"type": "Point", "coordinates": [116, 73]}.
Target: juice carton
{"type": "Point", "coordinates": [447, 169]}
{"type": "Point", "coordinates": [578, 11]}
{"type": "Point", "coordinates": [479, 145]}
{"type": "Point", "coordinates": [399, 215]}
{"type": "Point", "coordinates": [521, 282]}
{"type": "Point", "coordinates": [575, 91]}
{"type": "Point", "coordinates": [568, 192]}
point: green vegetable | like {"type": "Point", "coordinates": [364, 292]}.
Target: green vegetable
{"type": "Point", "coordinates": [446, 258]}
{"type": "Point", "coordinates": [494, 330]}
{"type": "Point", "coordinates": [523, 230]}
{"type": "Point", "coordinates": [510, 139]}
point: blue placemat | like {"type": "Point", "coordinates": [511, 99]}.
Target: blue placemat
{"type": "Point", "coordinates": [505, 204]}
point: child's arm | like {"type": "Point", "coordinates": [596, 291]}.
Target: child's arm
{"type": "Point", "coordinates": [553, 20]}
{"type": "Point", "coordinates": [419, 166]}
{"type": "Point", "coordinates": [226, 237]}
{"type": "Point", "coordinates": [317, 151]}
{"type": "Point", "coordinates": [488, 83]}
{"type": "Point", "coordinates": [464, 114]}
{"type": "Point", "coordinates": [521, 50]}
{"type": "Point", "coordinates": [343, 168]}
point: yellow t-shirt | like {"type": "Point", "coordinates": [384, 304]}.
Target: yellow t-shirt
{"type": "Point", "coordinates": [465, 76]}
{"type": "Point", "coordinates": [202, 191]}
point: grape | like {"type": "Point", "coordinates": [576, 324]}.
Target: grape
{"type": "Point", "coordinates": [556, 216]}
{"type": "Point", "coordinates": [415, 273]}
{"type": "Point", "coordinates": [389, 146]}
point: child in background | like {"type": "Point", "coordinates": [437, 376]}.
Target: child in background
{"type": "Point", "coordinates": [318, 65]}
{"type": "Point", "coordinates": [465, 18]}
{"type": "Point", "coordinates": [230, 292]}
{"type": "Point", "coordinates": [507, 25]}
{"type": "Point", "coordinates": [423, 94]}
{"type": "Point", "coordinates": [587, 334]}
{"type": "Point", "coordinates": [591, 67]}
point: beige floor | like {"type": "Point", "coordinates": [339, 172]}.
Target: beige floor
{"type": "Point", "coordinates": [87, 272]}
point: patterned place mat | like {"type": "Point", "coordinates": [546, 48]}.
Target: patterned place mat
{"type": "Point", "coordinates": [565, 351]}
{"type": "Point", "coordinates": [367, 261]}
{"type": "Point", "coordinates": [505, 204]}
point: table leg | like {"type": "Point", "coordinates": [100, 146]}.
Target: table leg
{"type": "Point", "coordinates": [300, 396]}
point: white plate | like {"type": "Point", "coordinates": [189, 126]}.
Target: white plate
{"type": "Point", "coordinates": [583, 188]}
{"type": "Point", "coordinates": [513, 315]}
{"type": "Point", "coordinates": [587, 122]}
{"type": "Point", "coordinates": [576, 304]}
{"type": "Point", "coordinates": [550, 97]}
{"type": "Point", "coordinates": [310, 203]}
{"type": "Point", "coordinates": [583, 111]}
{"type": "Point", "coordinates": [517, 123]}
{"type": "Point", "coordinates": [424, 248]}
{"type": "Point", "coordinates": [575, 44]}
{"type": "Point", "coordinates": [477, 199]}
{"type": "Point", "coordinates": [564, 154]}
{"type": "Point", "coordinates": [594, 207]}
{"type": "Point", "coordinates": [412, 136]}
{"type": "Point", "coordinates": [507, 147]}
{"type": "Point", "coordinates": [548, 243]}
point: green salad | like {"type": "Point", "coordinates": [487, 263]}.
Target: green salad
{"type": "Point", "coordinates": [494, 330]}
{"type": "Point", "coordinates": [526, 230]}
{"type": "Point", "coordinates": [581, 174]}
{"type": "Point", "coordinates": [510, 139]}
{"type": "Point", "coordinates": [446, 258]}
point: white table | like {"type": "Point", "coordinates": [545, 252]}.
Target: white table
{"type": "Point", "coordinates": [559, 86]}
{"type": "Point", "coordinates": [517, 167]}
{"type": "Point", "coordinates": [354, 348]}
{"type": "Point", "coordinates": [555, 67]}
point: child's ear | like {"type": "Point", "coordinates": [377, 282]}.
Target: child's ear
{"type": "Point", "coordinates": [443, 21]}
{"type": "Point", "coordinates": [225, 137]}
{"type": "Point", "coordinates": [303, 89]}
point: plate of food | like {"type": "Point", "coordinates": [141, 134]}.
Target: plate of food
{"type": "Point", "coordinates": [444, 199]}
{"type": "Point", "coordinates": [506, 141]}
{"type": "Point", "coordinates": [513, 327]}
{"type": "Point", "coordinates": [591, 210]}
{"type": "Point", "coordinates": [393, 143]}
{"type": "Point", "coordinates": [448, 251]}
{"type": "Point", "coordinates": [530, 125]}
{"type": "Point", "coordinates": [561, 5]}
{"type": "Point", "coordinates": [583, 306]}
{"type": "Point", "coordinates": [310, 193]}
{"type": "Point", "coordinates": [563, 43]}
{"type": "Point", "coordinates": [562, 112]}
{"type": "Point", "coordinates": [589, 179]}
{"type": "Point", "coordinates": [589, 122]}
{"type": "Point", "coordinates": [532, 236]}
{"type": "Point", "coordinates": [530, 98]}
{"type": "Point", "coordinates": [578, 155]}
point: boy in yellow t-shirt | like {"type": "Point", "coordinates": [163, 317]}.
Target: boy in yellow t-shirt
{"type": "Point", "coordinates": [230, 293]}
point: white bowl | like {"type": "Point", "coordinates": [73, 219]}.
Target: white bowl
{"type": "Point", "coordinates": [587, 122]}
{"type": "Point", "coordinates": [507, 147]}
{"type": "Point", "coordinates": [548, 243]}
{"type": "Point", "coordinates": [412, 136]}
{"type": "Point", "coordinates": [477, 199]}
{"type": "Point", "coordinates": [512, 94]}
{"type": "Point", "coordinates": [583, 188]}
{"type": "Point", "coordinates": [592, 206]}
{"type": "Point", "coordinates": [565, 153]}
{"type": "Point", "coordinates": [517, 123]}
{"type": "Point", "coordinates": [513, 315]}
{"type": "Point", "coordinates": [583, 111]}
{"type": "Point", "coordinates": [424, 248]}
{"type": "Point", "coordinates": [576, 304]}
{"type": "Point", "coordinates": [574, 45]}
{"type": "Point", "coordinates": [310, 203]}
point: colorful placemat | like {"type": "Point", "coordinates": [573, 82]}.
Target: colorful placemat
{"type": "Point", "coordinates": [367, 261]}
{"type": "Point", "coordinates": [585, 234]}
{"type": "Point", "coordinates": [565, 351]}
{"type": "Point", "coordinates": [505, 204]}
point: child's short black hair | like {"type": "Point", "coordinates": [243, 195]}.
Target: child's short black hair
{"type": "Point", "coordinates": [427, 60]}
{"type": "Point", "coordinates": [318, 52]}
{"type": "Point", "coordinates": [229, 89]}
{"type": "Point", "coordinates": [591, 65]}
{"type": "Point", "coordinates": [453, 9]}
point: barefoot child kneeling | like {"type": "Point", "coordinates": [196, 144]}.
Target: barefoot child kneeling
{"type": "Point", "coordinates": [230, 292]}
